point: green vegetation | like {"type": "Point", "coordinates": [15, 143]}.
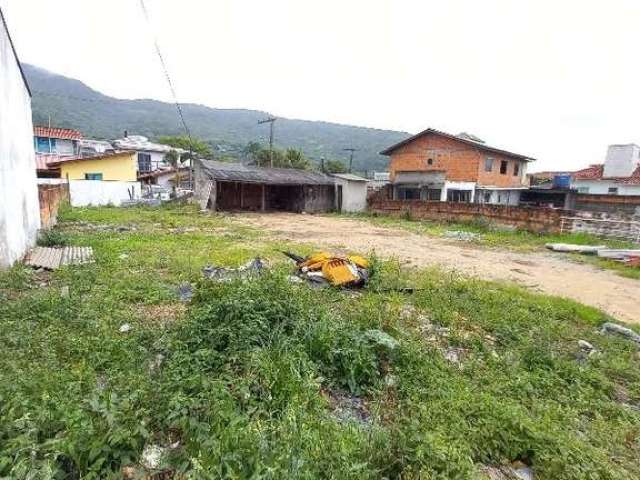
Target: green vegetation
{"type": "Point", "coordinates": [70, 103]}
{"type": "Point", "coordinates": [269, 379]}
{"type": "Point", "coordinates": [198, 147]}
{"type": "Point", "coordinates": [289, 158]}
{"type": "Point", "coordinates": [492, 236]}
{"type": "Point", "coordinates": [335, 166]}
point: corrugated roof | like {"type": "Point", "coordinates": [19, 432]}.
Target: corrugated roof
{"type": "Point", "coordinates": [349, 177]}
{"type": "Point", "coordinates": [236, 172]}
{"type": "Point", "coordinates": [478, 145]}
{"type": "Point", "coordinates": [140, 143]}
{"type": "Point", "coordinates": [100, 156]}
{"type": "Point", "coordinates": [62, 133]}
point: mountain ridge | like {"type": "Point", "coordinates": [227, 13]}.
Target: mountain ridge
{"type": "Point", "coordinates": [73, 104]}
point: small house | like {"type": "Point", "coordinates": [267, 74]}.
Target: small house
{"type": "Point", "coordinates": [150, 156]}
{"type": "Point", "coordinates": [109, 178]}
{"type": "Point", "coordinates": [351, 192]}
{"type": "Point", "coordinates": [233, 186]}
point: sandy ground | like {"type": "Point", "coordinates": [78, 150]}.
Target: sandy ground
{"type": "Point", "coordinates": [547, 272]}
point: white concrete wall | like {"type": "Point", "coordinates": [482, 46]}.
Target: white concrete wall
{"type": "Point", "coordinates": [601, 187]}
{"type": "Point", "coordinates": [354, 195]}
{"type": "Point", "coordinates": [621, 160]}
{"type": "Point", "coordinates": [19, 205]}
{"type": "Point", "coordinates": [499, 197]}
{"type": "Point", "coordinates": [101, 192]}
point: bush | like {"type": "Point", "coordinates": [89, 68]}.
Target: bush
{"type": "Point", "coordinates": [52, 238]}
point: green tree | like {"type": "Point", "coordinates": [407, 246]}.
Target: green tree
{"type": "Point", "coordinates": [296, 159]}
{"type": "Point", "coordinates": [335, 166]}
{"type": "Point", "coordinates": [198, 147]}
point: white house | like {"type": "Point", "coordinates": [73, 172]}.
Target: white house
{"type": "Point", "coordinates": [151, 156]}
{"type": "Point", "coordinates": [351, 192]}
{"type": "Point", "coordinates": [619, 175]}
{"type": "Point", "coordinates": [19, 205]}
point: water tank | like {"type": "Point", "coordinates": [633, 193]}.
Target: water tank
{"type": "Point", "coordinates": [562, 181]}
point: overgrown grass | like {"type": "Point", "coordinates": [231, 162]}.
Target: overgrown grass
{"type": "Point", "coordinates": [492, 236]}
{"type": "Point", "coordinates": [250, 369]}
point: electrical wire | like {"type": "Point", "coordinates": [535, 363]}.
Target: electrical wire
{"type": "Point", "coordinates": [166, 71]}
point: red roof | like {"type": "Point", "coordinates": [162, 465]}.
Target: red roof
{"type": "Point", "coordinates": [596, 172]}
{"type": "Point", "coordinates": [62, 133]}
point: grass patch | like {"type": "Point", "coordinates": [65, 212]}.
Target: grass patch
{"type": "Point", "coordinates": [255, 377]}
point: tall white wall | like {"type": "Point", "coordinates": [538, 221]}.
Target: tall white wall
{"type": "Point", "coordinates": [354, 195]}
{"type": "Point", "coordinates": [621, 160]}
{"type": "Point", "coordinates": [19, 205]}
{"type": "Point", "coordinates": [601, 187]}
{"type": "Point", "coordinates": [96, 193]}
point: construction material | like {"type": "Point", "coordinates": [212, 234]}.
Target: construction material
{"type": "Point", "coordinates": [323, 268]}
{"type": "Point", "coordinates": [52, 258]}
{"type": "Point", "coordinates": [221, 274]}
{"type": "Point", "coordinates": [571, 248]}
{"type": "Point", "coordinates": [620, 330]}
{"type": "Point", "coordinates": [621, 254]}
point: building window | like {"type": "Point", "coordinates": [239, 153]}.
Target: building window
{"type": "Point", "coordinates": [93, 176]}
{"type": "Point", "coordinates": [583, 189]}
{"type": "Point", "coordinates": [488, 164]}
{"type": "Point", "coordinates": [516, 169]}
{"type": "Point", "coordinates": [408, 194]}
{"type": "Point", "coordinates": [460, 196]}
{"type": "Point", "coordinates": [503, 167]}
{"type": "Point", "coordinates": [432, 194]}
{"type": "Point", "coordinates": [144, 162]}
{"type": "Point", "coordinates": [487, 197]}
{"type": "Point", "coordinates": [430, 161]}
{"type": "Point", "coordinates": [613, 190]}
{"type": "Point", "coordinates": [45, 145]}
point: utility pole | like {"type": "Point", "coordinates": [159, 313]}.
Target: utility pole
{"type": "Point", "coordinates": [270, 121]}
{"type": "Point", "coordinates": [351, 156]}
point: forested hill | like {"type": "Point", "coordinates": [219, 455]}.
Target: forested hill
{"type": "Point", "coordinates": [72, 104]}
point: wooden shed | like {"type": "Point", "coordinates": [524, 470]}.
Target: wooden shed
{"type": "Point", "coordinates": [233, 186]}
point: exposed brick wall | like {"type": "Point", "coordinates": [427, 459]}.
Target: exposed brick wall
{"type": "Point", "coordinates": [461, 162]}
{"type": "Point", "coordinates": [612, 204]}
{"type": "Point", "coordinates": [531, 219]}
{"type": "Point", "coordinates": [51, 197]}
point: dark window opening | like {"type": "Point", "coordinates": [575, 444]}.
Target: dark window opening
{"type": "Point", "coordinates": [460, 196]}
{"type": "Point", "coordinates": [144, 162]}
{"type": "Point", "coordinates": [613, 190]}
{"type": "Point", "coordinates": [93, 176]}
{"type": "Point", "coordinates": [503, 167]}
{"type": "Point", "coordinates": [409, 194]}
{"type": "Point", "coordinates": [516, 169]}
{"type": "Point", "coordinates": [430, 161]}
{"type": "Point", "coordinates": [432, 194]}
{"type": "Point", "coordinates": [488, 164]}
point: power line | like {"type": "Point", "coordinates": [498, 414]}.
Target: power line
{"type": "Point", "coordinates": [171, 87]}
{"type": "Point", "coordinates": [352, 150]}
{"type": "Point", "coordinates": [270, 121]}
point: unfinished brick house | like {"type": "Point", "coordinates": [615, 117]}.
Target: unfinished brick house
{"type": "Point", "coordinates": [435, 165]}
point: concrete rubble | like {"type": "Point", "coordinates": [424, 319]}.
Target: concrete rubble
{"type": "Point", "coordinates": [614, 328]}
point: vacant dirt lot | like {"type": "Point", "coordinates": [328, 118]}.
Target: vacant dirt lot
{"type": "Point", "coordinates": [546, 272]}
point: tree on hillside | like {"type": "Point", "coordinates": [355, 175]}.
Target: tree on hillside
{"type": "Point", "coordinates": [296, 159]}
{"type": "Point", "coordinates": [291, 158]}
{"type": "Point", "coordinates": [198, 147]}
{"type": "Point", "coordinates": [335, 166]}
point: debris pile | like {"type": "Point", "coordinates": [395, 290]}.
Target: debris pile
{"type": "Point", "coordinates": [630, 257]}
{"type": "Point", "coordinates": [52, 258]}
{"type": "Point", "coordinates": [462, 236]}
{"type": "Point", "coordinates": [221, 274]}
{"type": "Point", "coordinates": [322, 269]}
{"type": "Point", "coordinates": [609, 327]}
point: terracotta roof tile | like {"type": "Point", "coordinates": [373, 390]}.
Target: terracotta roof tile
{"type": "Point", "coordinates": [596, 172]}
{"type": "Point", "coordinates": [62, 133]}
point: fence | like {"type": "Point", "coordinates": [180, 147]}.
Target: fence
{"type": "Point", "coordinates": [102, 192]}
{"type": "Point", "coordinates": [602, 227]}
{"type": "Point", "coordinates": [51, 196]}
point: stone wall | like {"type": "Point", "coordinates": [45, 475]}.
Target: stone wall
{"type": "Point", "coordinates": [51, 198]}
{"type": "Point", "coordinates": [602, 225]}
{"type": "Point", "coordinates": [618, 205]}
{"type": "Point", "coordinates": [532, 219]}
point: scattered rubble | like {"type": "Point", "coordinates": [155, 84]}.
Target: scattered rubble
{"type": "Point", "coordinates": [462, 236]}
{"type": "Point", "coordinates": [586, 347]}
{"type": "Point", "coordinates": [620, 255]}
{"type": "Point", "coordinates": [156, 363]}
{"type": "Point", "coordinates": [515, 471]}
{"type": "Point", "coordinates": [609, 327]}
{"type": "Point", "coordinates": [348, 408]}
{"type": "Point", "coordinates": [124, 328]}
{"type": "Point", "coordinates": [221, 274]}
{"type": "Point", "coordinates": [382, 339]}
{"type": "Point", "coordinates": [185, 292]}
{"type": "Point", "coordinates": [455, 354]}
{"type": "Point", "coordinates": [64, 291]}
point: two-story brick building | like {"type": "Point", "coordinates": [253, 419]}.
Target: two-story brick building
{"type": "Point", "coordinates": [435, 165]}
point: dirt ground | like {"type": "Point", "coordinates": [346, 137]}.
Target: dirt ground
{"type": "Point", "coordinates": [546, 272]}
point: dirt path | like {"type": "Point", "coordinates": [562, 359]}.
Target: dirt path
{"type": "Point", "coordinates": [546, 272]}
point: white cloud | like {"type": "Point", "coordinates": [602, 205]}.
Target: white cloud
{"type": "Point", "coordinates": [555, 80]}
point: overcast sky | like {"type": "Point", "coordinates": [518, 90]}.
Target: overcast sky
{"type": "Point", "coordinates": [557, 80]}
